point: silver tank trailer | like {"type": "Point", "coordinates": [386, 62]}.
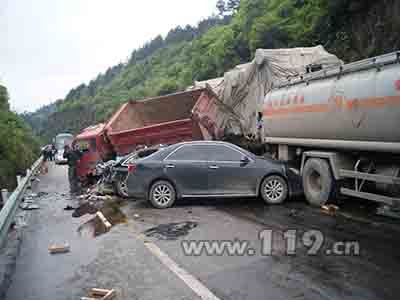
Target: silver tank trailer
{"type": "Point", "coordinates": [356, 105]}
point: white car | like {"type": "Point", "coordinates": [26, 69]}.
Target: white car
{"type": "Point", "coordinates": [59, 159]}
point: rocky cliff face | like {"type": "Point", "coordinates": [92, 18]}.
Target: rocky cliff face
{"type": "Point", "coordinates": [375, 28]}
{"type": "Point", "coordinates": [358, 29]}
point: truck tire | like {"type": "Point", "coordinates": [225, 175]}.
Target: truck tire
{"type": "Point", "coordinates": [318, 181]}
{"type": "Point", "coordinates": [274, 190]}
{"type": "Point", "coordinates": [162, 194]}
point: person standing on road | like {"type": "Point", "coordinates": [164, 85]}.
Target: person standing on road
{"type": "Point", "coordinates": [45, 153]}
{"type": "Point", "coordinates": [46, 157]}
{"type": "Point", "coordinates": [73, 155]}
{"type": "Point", "coordinates": [53, 152]}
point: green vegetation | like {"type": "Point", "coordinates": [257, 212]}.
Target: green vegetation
{"type": "Point", "coordinates": [351, 29]}
{"type": "Point", "coordinates": [18, 146]}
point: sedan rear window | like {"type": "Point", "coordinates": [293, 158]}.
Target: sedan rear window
{"type": "Point", "coordinates": [141, 154]}
{"type": "Point", "coordinates": [223, 153]}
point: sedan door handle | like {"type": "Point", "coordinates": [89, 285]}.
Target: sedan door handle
{"type": "Point", "coordinates": [213, 167]}
{"type": "Point", "coordinates": [170, 166]}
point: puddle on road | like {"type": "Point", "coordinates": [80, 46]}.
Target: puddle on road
{"type": "Point", "coordinates": [95, 227]}
{"type": "Point", "coordinates": [171, 231]}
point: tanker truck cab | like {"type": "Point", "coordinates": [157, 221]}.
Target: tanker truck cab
{"type": "Point", "coordinates": [339, 127]}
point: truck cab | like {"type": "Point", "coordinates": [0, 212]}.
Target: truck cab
{"type": "Point", "coordinates": [89, 142]}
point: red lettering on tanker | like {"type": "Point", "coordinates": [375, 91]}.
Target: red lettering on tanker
{"type": "Point", "coordinates": [339, 101]}
{"type": "Point", "coordinates": [397, 85]}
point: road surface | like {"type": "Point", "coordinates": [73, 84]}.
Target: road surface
{"type": "Point", "coordinates": [143, 257]}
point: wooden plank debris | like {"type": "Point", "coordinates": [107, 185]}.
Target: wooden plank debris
{"type": "Point", "coordinates": [104, 220]}
{"type": "Point", "coordinates": [57, 249]}
{"type": "Point", "coordinates": [109, 295]}
{"type": "Point", "coordinates": [100, 294]}
{"type": "Point", "coordinates": [330, 209]}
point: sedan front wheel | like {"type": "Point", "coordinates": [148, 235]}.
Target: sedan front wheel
{"type": "Point", "coordinates": [162, 194]}
{"type": "Point", "coordinates": [274, 190]}
{"type": "Point", "coordinates": [121, 187]}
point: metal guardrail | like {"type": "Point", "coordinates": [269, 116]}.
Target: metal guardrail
{"type": "Point", "coordinates": [10, 207]}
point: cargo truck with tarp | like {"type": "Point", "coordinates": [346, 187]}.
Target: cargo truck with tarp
{"type": "Point", "coordinates": [336, 124]}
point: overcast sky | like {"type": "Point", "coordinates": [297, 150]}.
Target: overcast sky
{"type": "Point", "coordinates": [48, 47]}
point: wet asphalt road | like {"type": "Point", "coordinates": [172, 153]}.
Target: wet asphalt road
{"type": "Point", "coordinates": [120, 259]}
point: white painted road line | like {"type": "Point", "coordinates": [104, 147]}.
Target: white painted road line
{"type": "Point", "coordinates": [200, 289]}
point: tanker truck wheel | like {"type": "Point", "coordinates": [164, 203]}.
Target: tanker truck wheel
{"type": "Point", "coordinates": [318, 181]}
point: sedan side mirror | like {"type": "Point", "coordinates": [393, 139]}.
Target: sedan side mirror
{"type": "Point", "coordinates": [244, 160]}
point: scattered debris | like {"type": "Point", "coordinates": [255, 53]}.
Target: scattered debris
{"type": "Point", "coordinates": [41, 194]}
{"type": "Point", "coordinates": [96, 227]}
{"type": "Point", "coordinates": [28, 200]}
{"type": "Point", "coordinates": [20, 220]}
{"type": "Point", "coordinates": [106, 209]}
{"type": "Point", "coordinates": [83, 197]}
{"type": "Point", "coordinates": [171, 231]}
{"type": "Point", "coordinates": [69, 207]}
{"type": "Point", "coordinates": [85, 208]}
{"type": "Point", "coordinates": [107, 294]}
{"type": "Point", "coordinates": [57, 249]}
{"type": "Point", "coordinates": [100, 294]}
{"type": "Point", "coordinates": [104, 220]}
{"type": "Point", "coordinates": [101, 198]}
{"type": "Point", "coordinates": [330, 209]}
{"type": "Point", "coordinates": [91, 202]}
{"type": "Point", "coordinates": [29, 206]}
{"type": "Point", "coordinates": [44, 170]}
{"type": "Point", "coordinates": [95, 196]}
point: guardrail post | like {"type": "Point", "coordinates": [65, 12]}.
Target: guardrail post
{"type": "Point", "coordinates": [18, 179]}
{"type": "Point", "coordinates": [4, 195]}
{"type": "Point", "coordinates": [28, 174]}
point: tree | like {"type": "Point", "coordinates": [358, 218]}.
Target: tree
{"type": "Point", "coordinates": [3, 98]}
{"type": "Point", "coordinates": [18, 146]}
{"type": "Point", "coordinates": [233, 5]}
{"type": "Point", "coordinates": [221, 6]}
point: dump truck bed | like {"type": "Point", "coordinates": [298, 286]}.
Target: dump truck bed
{"type": "Point", "coordinates": [161, 120]}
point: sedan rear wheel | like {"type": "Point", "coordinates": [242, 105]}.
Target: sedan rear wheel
{"type": "Point", "coordinates": [162, 194]}
{"type": "Point", "coordinates": [274, 190]}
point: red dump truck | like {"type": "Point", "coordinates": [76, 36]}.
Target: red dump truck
{"type": "Point", "coordinates": [184, 116]}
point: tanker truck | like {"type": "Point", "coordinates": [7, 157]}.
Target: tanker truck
{"type": "Point", "coordinates": [340, 129]}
